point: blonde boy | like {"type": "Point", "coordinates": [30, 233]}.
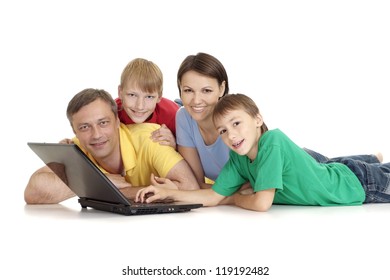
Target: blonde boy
{"type": "Point", "coordinates": [140, 100]}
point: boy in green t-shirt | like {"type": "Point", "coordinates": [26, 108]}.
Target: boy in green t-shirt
{"type": "Point", "coordinates": [279, 171]}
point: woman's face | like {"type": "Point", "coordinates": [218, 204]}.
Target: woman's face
{"type": "Point", "coordinates": [199, 94]}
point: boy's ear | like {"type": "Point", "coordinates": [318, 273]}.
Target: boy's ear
{"type": "Point", "coordinates": [259, 120]}
{"type": "Point", "coordinates": [119, 91]}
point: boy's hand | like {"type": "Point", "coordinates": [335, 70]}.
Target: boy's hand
{"type": "Point", "coordinates": [164, 136]}
{"type": "Point", "coordinates": [159, 190]}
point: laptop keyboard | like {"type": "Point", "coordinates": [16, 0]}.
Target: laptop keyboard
{"type": "Point", "coordinates": [155, 203]}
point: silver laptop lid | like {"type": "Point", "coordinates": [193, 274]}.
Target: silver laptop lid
{"type": "Point", "coordinates": [84, 178]}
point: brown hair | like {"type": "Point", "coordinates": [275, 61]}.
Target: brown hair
{"type": "Point", "coordinates": [86, 97]}
{"type": "Point", "coordinates": [237, 101]}
{"type": "Point", "coordinates": [206, 65]}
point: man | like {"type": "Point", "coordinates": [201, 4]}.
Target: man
{"type": "Point", "coordinates": [126, 154]}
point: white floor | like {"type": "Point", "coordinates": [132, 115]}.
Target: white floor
{"type": "Point", "coordinates": [319, 70]}
{"type": "Point", "coordinates": [294, 242]}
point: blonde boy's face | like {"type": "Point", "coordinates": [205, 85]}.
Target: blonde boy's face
{"type": "Point", "coordinates": [240, 132]}
{"type": "Point", "coordinates": [138, 105]}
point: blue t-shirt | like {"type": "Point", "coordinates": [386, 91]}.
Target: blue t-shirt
{"type": "Point", "coordinates": [297, 177]}
{"type": "Point", "coordinates": [212, 157]}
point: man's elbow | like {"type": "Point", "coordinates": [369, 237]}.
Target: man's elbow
{"type": "Point", "coordinates": [31, 196]}
{"type": "Point", "coordinates": [33, 193]}
{"type": "Point", "coordinates": [37, 195]}
{"type": "Point", "coordinates": [28, 199]}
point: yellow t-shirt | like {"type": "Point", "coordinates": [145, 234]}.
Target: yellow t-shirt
{"type": "Point", "coordinates": [141, 156]}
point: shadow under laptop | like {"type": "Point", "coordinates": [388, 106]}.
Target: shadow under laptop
{"type": "Point", "coordinates": [60, 211]}
{"type": "Point", "coordinates": [51, 210]}
{"type": "Point", "coordinates": [65, 212]}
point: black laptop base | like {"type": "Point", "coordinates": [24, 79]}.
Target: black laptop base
{"type": "Point", "coordinates": [136, 209]}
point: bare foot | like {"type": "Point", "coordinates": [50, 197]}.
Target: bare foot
{"type": "Point", "coordinates": [379, 156]}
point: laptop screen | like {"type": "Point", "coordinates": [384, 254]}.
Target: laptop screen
{"type": "Point", "coordinates": [83, 177]}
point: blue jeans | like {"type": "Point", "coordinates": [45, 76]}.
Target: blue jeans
{"type": "Point", "coordinates": [322, 159]}
{"type": "Point", "coordinates": [374, 176]}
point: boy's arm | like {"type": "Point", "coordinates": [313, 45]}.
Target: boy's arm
{"type": "Point", "coordinates": [260, 201]}
{"type": "Point", "coordinates": [45, 187]}
{"type": "Point", "coordinates": [164, 136]}
{"type": "Point", "coordinates": [161, 189]}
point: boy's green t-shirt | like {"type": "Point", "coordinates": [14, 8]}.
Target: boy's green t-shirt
{"type": "Point", "coordinates": [297, 177]}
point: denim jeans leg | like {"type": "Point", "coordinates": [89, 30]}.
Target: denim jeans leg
{"type": "Point", "coordinates": [317, 156]}
{"type": "Point", "coordinates": [374, 177]}
{"type": "Point", "coordinates": [322, 159]}
{"type": "Point", "coordinates": [364, 158]}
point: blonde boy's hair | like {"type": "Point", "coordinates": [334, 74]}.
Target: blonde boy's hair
{"type": "Point", "coordinates": [143, 74]}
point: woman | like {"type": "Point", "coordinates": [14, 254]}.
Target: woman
{"type": "Point", "coordinates": [202, 80]}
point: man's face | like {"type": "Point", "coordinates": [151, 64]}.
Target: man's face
{"type": "Point", "coordinates": [96, 127]}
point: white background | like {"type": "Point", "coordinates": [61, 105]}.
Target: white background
{"type": "Point", "coordinates": [319, 70]}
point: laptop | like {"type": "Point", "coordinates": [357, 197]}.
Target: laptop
{"type": "Point", "coordinates": [92, 187]}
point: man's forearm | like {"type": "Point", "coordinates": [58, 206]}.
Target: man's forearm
{"type": "Point", "coordinates": [130, 192]}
